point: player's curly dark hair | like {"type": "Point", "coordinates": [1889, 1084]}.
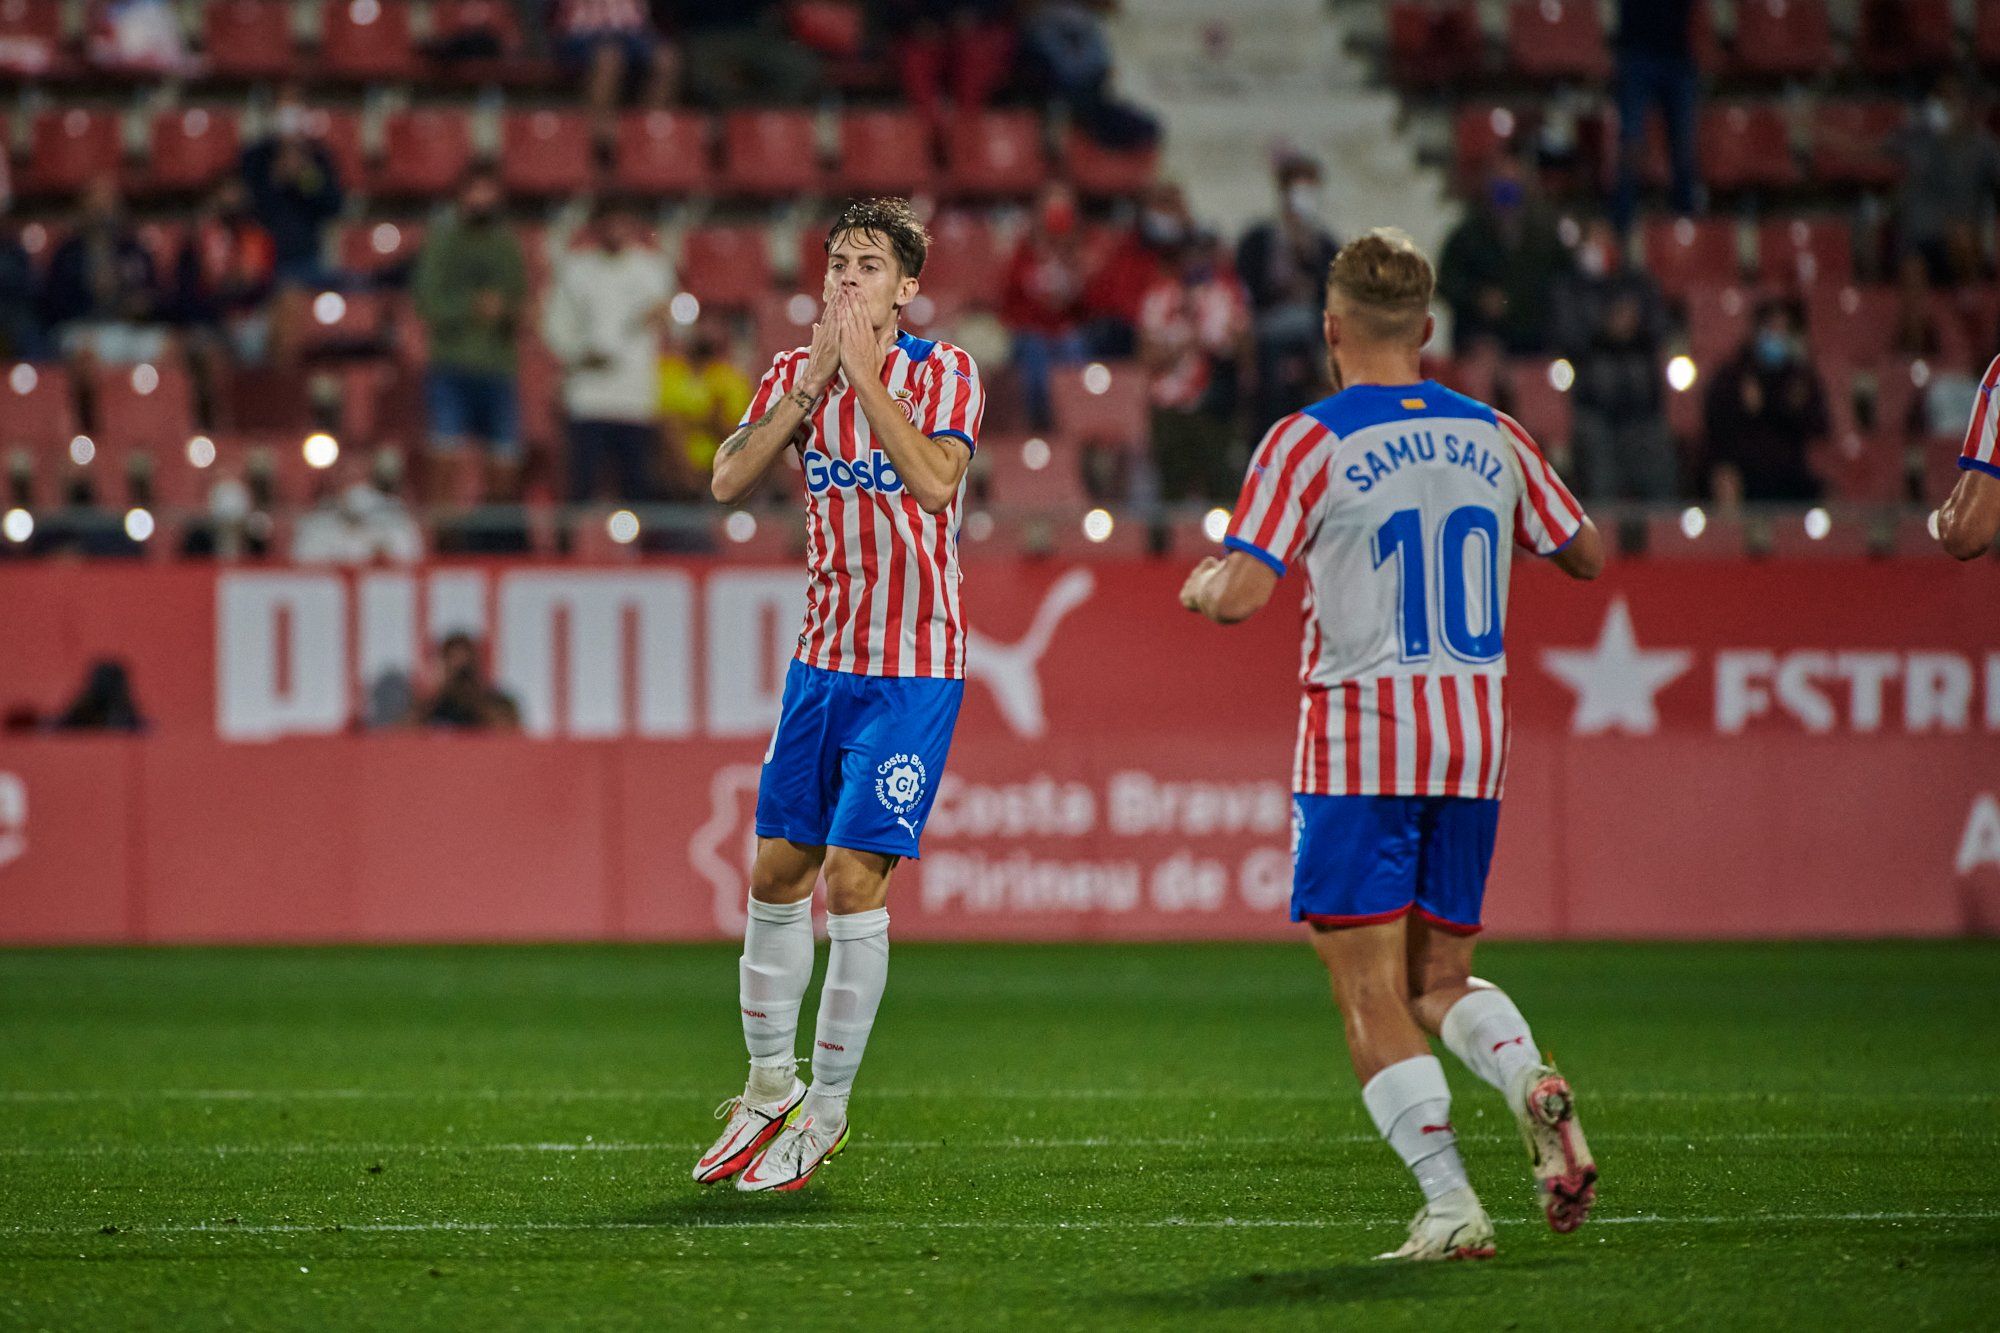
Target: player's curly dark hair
{"type": "Point", "coordinates": [892, 220]}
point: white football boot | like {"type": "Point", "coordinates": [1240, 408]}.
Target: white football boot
{"type": "Point", "coordinates": [751, 1126]}
{"type": "Point", "coordinates": [1565, 1172]}
{"type": "Point", "coordinates": [798, 1151]}
{"type": "Point", "coordinates": [1451, 1227]}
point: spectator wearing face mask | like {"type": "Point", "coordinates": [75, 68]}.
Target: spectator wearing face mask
{"type": "Point", "coordinates": [1765, 410]}
{"type": "Point", "coordinates": [1042, 302]}
{"type": "Point", "coordinates": [295, 193]}
{"type": "Point", "coordinates": [1283, 263]}
{"type": "Point", "coordinates": [1500, 265]}
{"type": "Point", "coordinates": [1129, 270]}
{"type": "Point", "coordinates": [1951, 167]}
{"type": "Point", "coordinates": [1194, 340]}
{"type": "Point", "coordinates": [1612, 327]}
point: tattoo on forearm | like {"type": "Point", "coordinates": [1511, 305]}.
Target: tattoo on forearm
{"type": "Point", "coordinates": [805, 400]}
{"type": "Point", "coordinates": [736, 443]}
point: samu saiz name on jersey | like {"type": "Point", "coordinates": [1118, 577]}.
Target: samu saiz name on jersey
{"type": "Point", "coordinates": [1424, 447]}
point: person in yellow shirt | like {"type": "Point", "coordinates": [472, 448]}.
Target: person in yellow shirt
{"type": "Point", "coordinates": [702, 397]}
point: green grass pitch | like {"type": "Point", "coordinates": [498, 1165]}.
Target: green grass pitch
{"type": "Point", "coordinates": [1796, 1136]}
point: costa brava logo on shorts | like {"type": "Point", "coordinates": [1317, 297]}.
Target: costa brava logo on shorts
{"type": "Point", "coordinates": [899, 786]}
{"type": "Point", "coordinates": [873, 473]}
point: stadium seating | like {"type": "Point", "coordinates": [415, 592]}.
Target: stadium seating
{"type": "Point", "coordinates": [249, 40]}
{"type": "Point", "coordinates": [70, 147]}
{"type": "Point", "coordinates": [1032, 473]}
{"type": "Point", "coordinates": [728, 266]}
{"type": "Point", "coordinates": [1744, 146]}
{"type": "Point", "coordinates": [40, 406]}
{"type": "Point", "coordinates": [1852, 325]}
{"type": "Point", "coordinates": [770, 154]}
{"type": "Point", "coordinates": [885, 151]}
{"type": "Point", "coordinates": [1986, 34]}
{"type": "Point", "coordinates": [966, 264]}
{"type": "Point", "coordinates": [367, 41]}
{"type": "Point", "coordinates": [1790, 38]}
{"type": "Point", "coordinates": [1103, 403]}
{"type": "Point", "coordinates": [1557, 39]}
{"type": "Point", "coordinates": [1850, 142]}
{"type": "Point", "coordinates": [995, 153]}
{"type": "Point", "coordinates": [1684, 253]}
{"type": "Point", "coordinates": [1542, 408]}
{"type": "Point", "coordinates": [144, 406]}
{"type": "Point", "coordinates": [1903, 37]}
{"type": "Point", "coordinates": [662, 153]}
{"type": "Point", "coordinates": [191, 149]}
{"type": "Point", "coordinates": [1801, 252]}
{"type": "Point", "coordinates": [1104, 172]}
{"type": "Point", "coordinates": [370, 249]}
{"type": "Point", "coordinates": [1718, 322]}
{"type": "Point", "coordinates": [425, 152]}
{"type": "Point", "coordinates": [1480, 133]}
{"type": "Point", "coordinates": [545, 154]}
{"type": "Point", "coordinates": [339, 130]}
{"type": "Point", "coordinates": [1434, 42]}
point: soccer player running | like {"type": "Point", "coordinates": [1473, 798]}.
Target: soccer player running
{"type": "Point", "coordinates": [1398, 496]}
{"type": "Point", "coordinates": [1969, 520]}
{"type": "Point", "coordinates": [885, 425]}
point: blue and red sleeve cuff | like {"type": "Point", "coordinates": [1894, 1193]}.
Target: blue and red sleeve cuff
{"type": "Point", "coordinates": [1235, 543]}
{"type": "Point", "coordinates": [1971, 464]}
{"type": "Point", "coordinates": [971, 446]}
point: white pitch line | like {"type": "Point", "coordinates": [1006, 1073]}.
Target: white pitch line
{"type": "Point", "coordinates": [31, 1095]}
{"type": "Point", "coordinates": [966, 1224]}
{"type": "Point", "coordinates": [1010, 1144]}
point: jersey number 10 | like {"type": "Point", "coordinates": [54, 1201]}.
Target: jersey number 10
{"type": "Point", "coordinates": [1402, 539]}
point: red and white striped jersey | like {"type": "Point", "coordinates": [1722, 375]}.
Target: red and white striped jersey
{"type": "Point", "coordinates": [881, 574]}
{"type": "Point", "coordinates": [1982, 437]}
{"type": "Point", "coordinates": [1395, 498]}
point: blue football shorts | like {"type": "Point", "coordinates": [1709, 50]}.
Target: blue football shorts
{"type": "Point", "coordinates": [856, 760]}
{"type": "Point", "coordinates": [1358, 860]}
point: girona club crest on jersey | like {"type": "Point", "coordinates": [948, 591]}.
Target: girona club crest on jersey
{"type": "Point", "coordinates": [899, 786]}
{"type": "Point", "coordinates": [906, 402]}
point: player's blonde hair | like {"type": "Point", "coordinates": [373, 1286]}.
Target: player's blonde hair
{"type": "Point", "coordinates": [1383, 284]}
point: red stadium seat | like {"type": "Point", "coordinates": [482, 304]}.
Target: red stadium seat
{"type": "Point", "coordinates": [1803, 252]}
{"type": "Point", "coordinates": [149, 406]}
{"type": "Point", "coordinates": [368, 249]}
{"type": "Point", "coordinates": [1718, 322]}
{"type": "Point", "coordinates": [348, 322]}
{"type": "Point", "coordinates": [835, 28]}
{"type": "Point", "coordinates": [249, 39]}
{"type": "Point", "coordinates": [1852, 325]}
{"type": "Point", "coordinates": [456, 20]}
{"type": "Point", "coordinates": [1103, 403]}
{"type": "Point", "coordinates": [662, 152]}
{"type": "Point", "coordinates": [990, 153]}
{"type": "Point", "coordinates": [1986, 34]}
{"type": "Point", "coordinates": [1684, 254]}
{"type": "Point", "coordinates": [1557, 39]}
{"type": "Point", "coordinates": [1897, 37]}
{"type": "Point", "coordinates": [1861, 469]}
{"type": "Point", "coordinates": [545, 153]}
{"type": "Point", "coordinates": [1782, 37]}
{"type": "Point", "coordinates": [966, 265]}
{"type": "Point", "coordinates": [162, 239]}
{"type": "Point", "coordinates": [37, 406]}
{"type": "Point", "coordinates": [1850, 142]}
{"type": "Point", "coordinates": [770, 154]}
{"type": "Point", "coordinates": [1097, 170]}
{"type": "Point", "coordinates": [425, 151]}
{"type": "Point", "coordinates": [726, 266]}
{"type": "Point", "coordinates": [776, 324]}
{"type": "Point", "coordinates": [1034, 473]}
{"type": "Point", "coordinates": [1480, 134]}
{"type": "Point", "coordinates": [1542, 409]}
{"type": "Point", "coordinates": [1434, 42]}
{"type": "Point", "coordinates": [885, 152]}
{"type": "Point", "coordinates": [191, 149]}
{"type": "Point", "coordinates": [70, 148]}
{"type": "Point", "coordinates": [31, 37]}
{"type": "Point", "coordinates": [367, 41]}
{"type": "Point", "coordinates": [1745, 146]}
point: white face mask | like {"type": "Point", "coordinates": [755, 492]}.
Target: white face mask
{"type": "Point", "coordinates": [292, 121]}
{"type": "Point", "coordinates": [1302, 198]}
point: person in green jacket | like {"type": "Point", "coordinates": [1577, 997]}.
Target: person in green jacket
{"type": "Point", "coordinates": [471, 291]}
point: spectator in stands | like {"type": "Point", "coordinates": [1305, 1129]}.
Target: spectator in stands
{"type": "Point", "coordinates": [957, 49]}
{"type": "Point", "coordinates": [611, 45]}
{"type": "Point", "coordinates": [1656, 67]}
{"type": "Point", "coordinates": [101, 297]}
{"type": "Point", "coordinates": [1951, 176]}
{"type": "Point", "coordinates": [137, 37]}
{"type": "Point", "coordinates": [105, 703]}
{"type": "Point", "coordinates": [703, 394]}
{"type": "Point", "coordinates": [1500, 264]}
{"type": "Point", "coordinates": [470, 289]}
{"type": "Point", "coordinates": [1284, 263]}
{"type": "Point", "coordinates": [603, 320]}
{"type": "Point", "coordinates": [223, 279]}
{"type": "Point", "coordinates": [738, 53]}
{"type": "Point", "coordinates": [465, 699]}
{"type": "Point", "coordinates": [20, 295]}
{"type": "Point", "coordinates": [1765, 410]}
{"type": "Point", "coordinates": [358, 520]}
{"type": "Point", "coordinates": [1194, 340]}
{"type": "Point", "coordinates": [1068, 54]}
{"type": "Point", "coordinates": [1042, 300]}
{"type": "Point", "coordinates": [1612, 326]}
{"type": "Point", "coordinates": [295, 191]}
{"type": "Point", "coordinates": [1131, 266]}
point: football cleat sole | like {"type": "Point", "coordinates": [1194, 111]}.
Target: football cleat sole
{"type": "Point", "coordinates": [1565, 1173]}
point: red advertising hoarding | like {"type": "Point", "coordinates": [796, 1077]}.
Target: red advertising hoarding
{"type": "Point", "coordinates": [1700, 750]}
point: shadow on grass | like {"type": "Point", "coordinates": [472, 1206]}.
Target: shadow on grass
{"type": "Point", "coordinates": [723, 1205]}
{"type": "Point", "coordinates": [1344, 1284]}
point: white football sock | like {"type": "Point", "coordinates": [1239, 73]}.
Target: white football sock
{"type": "Point", "coordinates": [857, 969]}
{"type": "Point", "coordinates": [1412, 1108]}
{"type": "Point", "coordinates": [1487, 1032]}
{"type": "Point", "coordinates": [772, 978]}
